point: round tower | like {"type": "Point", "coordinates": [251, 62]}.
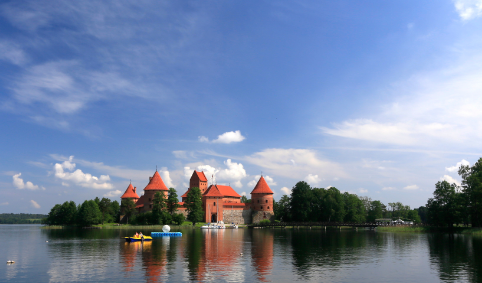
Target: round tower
{"type": "Point", "coordinates": [262, 201]}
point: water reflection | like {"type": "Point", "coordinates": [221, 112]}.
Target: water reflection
{"type": "Point", "coordinates": [241, 255]}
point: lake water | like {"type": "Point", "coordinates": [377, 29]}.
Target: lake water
{"type": "Point", "coordinates": [243, 255]}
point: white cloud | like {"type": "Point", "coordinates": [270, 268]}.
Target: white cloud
{"type": "Point", "coordinates": [450, 180]}
{"type": "Point", "coordinates": [112, 194]}
{"type": "Point", "coordinates": [363, 191]}
{"type": "Point", "coordinates": [434, 109]}
{"type": "Point", "coordinates": [295, 163]}
{"type": "Point", "coordinates": [166, 177]}
{"type": "Point", "coordinates": [243, 193]}
{"type": "Point", "coordinates": [235, 172]}
{"type": "Point", "coordinates": [388, 189]}
{"type": "Point", "coordinates": [286, 191]}
{"type": "Point", "coordinates": [312, 179]}
{"type": "Point", "coordinates": [34, 204]}
{"type": "Point", "coordinates": [4, 203]}
{"type": "Point", "coordinates": [411, 187]}
{"type": "Point", "coordinates": [19, 183]}
{"type": "Point", "coordinates": [457, 166]}
{"type": "Point", "coordinates": [229, 137]}
{"type": "Point", "coordinates": [12, 53]}
{"type": "Point", "coordinates": [203, 139]}
{"type": "Point", "coordinates": [468, 9]}
{"type": "Point", "coordinates": [267, 178]}
{"type": "Point", "coordinates": [80, 178]}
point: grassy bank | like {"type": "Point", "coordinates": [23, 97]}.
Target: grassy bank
{"type": "Point", "coordinates": [415, 229]}
{"type": "Point", "coordinates": [186, 224]}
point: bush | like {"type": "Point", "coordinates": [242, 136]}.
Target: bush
{"type": "Point", "coordinates": [264, 222]}
{"type": "Point", "coordinates": [178, 218]}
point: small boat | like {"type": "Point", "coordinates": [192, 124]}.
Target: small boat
{"type": "Point", "coordinates": [138, 238]}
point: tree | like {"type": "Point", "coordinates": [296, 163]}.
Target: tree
{"type": "Point", "coordinates": [413, 215]}
{"type": "Point", "coordinates": [158, 208]}
{"type": "Point", "coordinates": [281, 209]}
{"type": "Point", "coordinates": [128, 206]}
{"type": "Point", "coordinates": [55, 215]}
{"type": "Point", "coordinates": [115, 210]}
{"type": "Point", "coordinates": [301, 201]}
{"type": "Point", "coordinates": [105, 208]}
{"type": "Point", "coordinates": [334, 207]}
{"type": "Point", "coordinates": [68, 213]}
{"type": "Point", "coordinates": [172, 201]}
{"type": "Point", "coordinates": [354, 208]}
{"type": "Point", "coordinates": [193, 206]}
{"type": "Point", "coordinates": [375, 211]}
{"type": "Point", "coordinates": [443, 208]}
{"type": "Point", "coordinates": [244, 199]}
{"type": "Point", "coordinates": [472, 188]}
{"type": "Point", "coordinates": [89, 213]}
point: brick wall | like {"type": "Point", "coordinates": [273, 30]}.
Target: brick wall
{"type": "Point", "coordinates": [238, 216]}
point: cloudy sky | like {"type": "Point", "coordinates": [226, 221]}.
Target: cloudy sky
{"type": "Point", "coordinates": [378, 98]}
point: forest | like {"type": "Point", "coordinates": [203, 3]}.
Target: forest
{"type": "Point", "coordinates": [21, 218]}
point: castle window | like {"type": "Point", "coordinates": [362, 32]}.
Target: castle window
{"type": "Point", "coordinates": [261, 207]}
{"type": "Point", "coordinates": [214, 203]}
{"type": "Point", "coordinates": [268, 207]}
{"type": "Point", "coordinates": [266, 201]}
{"type": "Point", "coordinates": [258, 200]}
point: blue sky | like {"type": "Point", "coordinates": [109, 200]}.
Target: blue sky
{"type": "Point", "coordinates": [377, 98]}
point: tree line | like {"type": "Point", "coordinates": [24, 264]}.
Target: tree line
{"type": "Point", "coordinates": [21, 218]}
{"type": "Point", "coordinates": [88, 213]}
{"type": "Point", "coordinates": [458, 205]}
{"type": "Point", "coordinates": [307, 204]}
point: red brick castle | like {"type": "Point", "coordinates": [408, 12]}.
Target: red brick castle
{"type": "Point", "coordinates": [220, 203]}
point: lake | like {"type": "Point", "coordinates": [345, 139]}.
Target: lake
{"type": "Point", "coordinates": [243, 255]}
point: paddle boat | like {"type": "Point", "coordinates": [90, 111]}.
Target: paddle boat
{"type": "Point", "coordinates": [138, 238]}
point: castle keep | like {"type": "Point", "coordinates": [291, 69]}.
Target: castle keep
{"type": "Point", "coordinates": [219, 202]}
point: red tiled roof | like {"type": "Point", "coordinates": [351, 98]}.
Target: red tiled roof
{"type": "Point", "coordinates": [234, 204]}
{"type": "Point", "coordinates": [201, 176]}
{"type": "Point", "coordinates": [140, 205]}
{"type": "Point", "coordinates": [130, 193]}
{"type": "Point", "coordinates": [156, 183]}
{"type": "Point", "coordinates": [221, 191]}
{"type": "Point", "coordinates": [181, 203]}
{"type": "Point", "coordinates": [262, 187]}
{"type": "Point", "coordinates": [185, 194]}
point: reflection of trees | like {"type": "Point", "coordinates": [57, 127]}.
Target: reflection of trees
{"type": "Point", "coordinates": [457, 257]}
{"type": "Point", "coordinates": [331, 249]}
{"type": "Point", "coordinates": [193, 250]}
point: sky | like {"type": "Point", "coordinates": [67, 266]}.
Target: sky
{"type": "Point", "coordinates": [376, 98]}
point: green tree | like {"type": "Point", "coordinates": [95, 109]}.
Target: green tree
{"type": "Point", "coordinates": [193, 206]}
{"type": "Point", "coordinates": [354, 209]}
{"type": "Point", "coordinates": [158, 208]}
{"type": "Point", "coordinates": [317, 204]}
{"type": "Point", "coordinates": [282, 209]}
{"type": "Point", "coordinates": [55, 215]}
{"type": "Point", "coordinates": [422, 212]}
{"type": "Point", "coordinates": [105, 208]}
{"type": "Point", "coordinates": [443, 208]}
{"type": "Point", "coordinates": [89, 213]}
{"type": "Point", "coordinates": [472, 188]}
{"type": "Point", "coordinates": [301, 198]}
{"type": "Point", "coordinates": [178, 218]}
{"type": "Point", "coordinates": [376, 210]}
{"type": "Point", "coordinates": [128, 206]}
{"type": "Point", "coordinates": [334, 207]}
{"type": "Point", "coordinates": [413, 215]}
{"type": "Point", "coordinates": [172, 201]}
{"type": "Point", "coordinates": [115, 210]}
{"type": "Point", "coordinates": [68, 213]}
{"type": "Point", "coordinates": [244, 199]}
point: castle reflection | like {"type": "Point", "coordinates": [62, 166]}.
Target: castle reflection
{"type": "Point", "coordinates": [205, 254]}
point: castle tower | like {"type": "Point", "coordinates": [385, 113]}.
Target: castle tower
{"type": "Point", "coordinates": [262, 201]}
{"type": "Point", "coordinates": [131, 193]}
{"type": "Point", "coordinates": [199, 180]}
{"type": "Point", "coordinates": [156, 184]}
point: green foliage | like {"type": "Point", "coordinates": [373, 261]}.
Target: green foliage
{"type": "Point", "coordinates": [105, 206]}
{"type": "Point", "coordinates": [354, 209]}
{"type": "Point", "coordinates": [445, 208]}
{"type": "Point", "coordinates": [178, 218]}
{"type": "Point", "coordinates": [193, 205]}
{"type": "Point", "coordinates": [115, 210]}
{"type": "Point", "coordinates": [282, 209]}
{"type": "Point", "coordinates": [264, 222]}
{"type": "Point", "coordinates": [376, 210]}
{"type": "Point", "coordinates": [172, 201]}
{"type": "Point", "coordinates": [472, 193]}
{"type": "Point", "coordinates": [301, 196]}
{"type": "Point", "coordinates": [128, 207]}
{"type": "Point", "coordinates": [89, 213]}
{"type": "Point", "coordinates": [21, 218]}
{"type": "Point", "coordinates": [244, 199]}
{"type": "Point", "coordinates": [158, 209]}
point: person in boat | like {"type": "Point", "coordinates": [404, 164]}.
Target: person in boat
{"type": "Point", "coordinates": [142, 236]}
{"type": "Point", "coordinates": [137, 235]}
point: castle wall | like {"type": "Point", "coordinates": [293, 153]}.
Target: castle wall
{"type": "Point", "coordinates": [238, 216]}
{"type": "Point", "coordinates": [262, 215]}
